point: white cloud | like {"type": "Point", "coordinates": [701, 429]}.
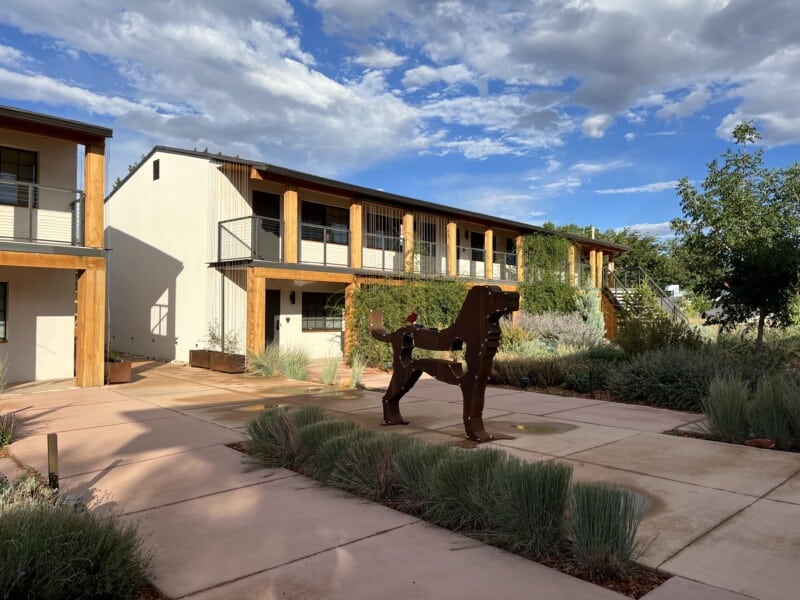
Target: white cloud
{"type": "Point", "coordinates": [379, 58]}
{"type": "Point", "coordinates": [552, 165]}
{"type": "Point", "coordinates": [691, 103]}
{"type": "Point", "coordinates": [11, 56]}
{"type": "Point", "coordinates": [596, 125]}
{"type": "Point", "coordinates": [425, 75]}
{"type": "Point", "coordinates": [563, 184]}
{"type": "Point", "coordinates": [630, 136]}
{"type": "Point", "coordinates": [476, 148]}
{"type": "Point", "coordinates": [658, 230]}
{"type": "Point", "coordinates": [591, 168]}
{"type": "Point", "coordinates": [659, 186]}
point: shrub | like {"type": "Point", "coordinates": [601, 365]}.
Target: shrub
{"type": "Point", "coordinates": [767, 414]}
{"type": "Point", "coordinates": [726, 409]}
{"type": "Point", "coordinates": [530, 506]}
{"type": "Point", "coordinates": [273, 433]}
{"type": "Point", "coordinates": [329, 373]}
{"type": "Point", "coordinates": [294, 363]}
{"type": "Point", "coordinates": [357, 366]}
{"type": "Point", "coordinates": [584, 374]}
{"type": "Point", "coordinates": [367, 467]}
{"type": "Point", "coordinates": [638, 335]}
{"type": "Point", "coordinates": [324, 462]}
{"type": "Point", "coordinates": [540, 372]}
{"type": "Point", "coordinates": [602, 526]}
{"type": "Point", "coordinates": [676, 378]}
{"type": "Point", "coordinates": [588, 304]}
{"type": "Point", "coordinates": [568, 329]}
{"type": "Point", "coordinates": [7, 422]}
{"type": "Point", "coordinates": [415, 466]}
{"type": "Point", "coordinates": [548, 294]}
{"type": "Point", "coordinates": [311, 437]}
{"type": "Point", "coordinates": [266, 362]}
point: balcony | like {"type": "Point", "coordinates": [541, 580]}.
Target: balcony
{"type": "Point", "coordinates": [504, 266]}
{"type": "Point", "coordinates": [471, 262]}
{"type": "Point", "coordinates": [40, 214]}
{"type": "Point", "coordinates": [382, 253]}
{"type": "Point", "coordinates": [328, 246]}
{"type": "Point", "coordinates": [427, 261]}
{"type": "Point", "coordinates": [249, 238]}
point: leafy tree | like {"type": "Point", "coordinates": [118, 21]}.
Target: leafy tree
{"type": "Point", "coordinates": [131, 169]}
{"type": "Point", "coordinates": [743, 233]}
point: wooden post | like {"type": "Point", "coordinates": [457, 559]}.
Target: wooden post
{"type": "Point", "coordinates": [599, 262]}
{"type": "Point", "coordinates": [408, 242]}
{"type": "Point", "coordinates": [452, 249]}
{"type": "Point", "coordinates": [593, 268]}
{"type": "Point", "coordinates": [356, 242]}
{"type": "Point", "coordinates": [256, 312]}
{"type": "Point", "coordinates": [90, 328]}
{"type": "Point", "coordinates": [349, 320]}
{"type": "Point", "coordinates": [94, 191]}
{"type": "Point", "coordinates": [571, 262]}
{"type": "Point", "coordinates": [488, 253]}
{"type": "Point", "coordinates": [520, 258]}
{"type": "Point", "coordinates": [291, 215]}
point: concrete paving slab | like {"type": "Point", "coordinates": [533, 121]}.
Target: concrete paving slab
{"type": "Point", "coordinates": [677, 513]}
{"type": "Point", "coordinates": [534, 403]}
{"type": "Point", "coordinates": [630, 416]}
{"type": "Point", "coordinates": [731, 467]}
{"type": "Point", "coordinates": [679, 587]}
{"type": "Point", "coordinates": [8, 467]}
{"type": "Point", "coordinates": [754, 553]}
{"type": "Point", "coordinates": [524, 455]}
{"type": "Point", "coordinates": [787, 492]}
{"type": "Point", "coordinates": [169, 479]}
{"type": "Point", "coordinates": [549, 436]}
{"type": "Point", "coordinates": [427, 414]}
{"type": "Point", "coordinates": [244, 531]}
{"type": "Point", "coordinates": [119, 409]}
{"type": "Point", "coordinates": [443, 392]}
{"type": "Point", "coordinates": [72, 397]}
{"type": "Point", "coordinates": [204, 397]}
{"type": "Point", "coordinates": [88, 450]}
{"type": "Point", "coordinates": [416, 562]}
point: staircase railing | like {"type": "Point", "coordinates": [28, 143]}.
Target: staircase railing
{"type": "Point", "coordinates": [620, 283]}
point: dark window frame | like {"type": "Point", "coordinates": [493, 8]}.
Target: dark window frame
{"type": "Point", "coordinates": [3, 311]}
{"type": "Point", "coordinates": [321, 311]}
{"type": "Point", "coordinates": [385, 233]}
{"type": "Point", "coordinates": [335, 218]}
{"type": "Point", "coordinates": [11, 170]}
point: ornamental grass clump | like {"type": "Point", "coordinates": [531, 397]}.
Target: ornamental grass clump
{"type": "Point", "coordinates": [265, 363]}
{"type": "Point", "coordinates": [726, 408]}
{"type": "Point", "coordinates": [415, 466]}
{"type": "Point", "coordinates": [7, 424]}
{"type": "Point", "coordinates": [329, 373]}
{"type": "Point", "coordinates": [602, 525]}
{"type": "Point", "coordinates": [529, 506]}
{"type": "Point", "coordinates": [273, 433]}
{"type": "Point", "coordinates": [310, 438]}
{"type": "Point", "coordinates": [357, 366]}
{"type": "Point", "coordinates": [323, 463]}
{"type": "Point", "coordinates": [767, 414]}
{"type": "Point", "coordinates": [293, 363]}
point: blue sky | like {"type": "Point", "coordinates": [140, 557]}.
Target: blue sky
{"type": "Point", "coordinates": [583, 111]}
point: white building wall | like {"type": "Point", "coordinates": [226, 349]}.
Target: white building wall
{"type": "Point", "coordinates": [40, 323]}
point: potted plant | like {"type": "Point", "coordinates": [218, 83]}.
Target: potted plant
{"type": "Point", "coordinates": [118, 370]}
{"type": "Point", "coordinates": [223, 353]}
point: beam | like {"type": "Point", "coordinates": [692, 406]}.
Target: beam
{"type": "Point", "coordinates": [302, 275]}
{"type": "Point", "coordinates": [488, 253]}
{"type": "Point", "coordinates": [256, 311]}
{"type": "Point", "coordinates": [356, 229]}
{"type": "Point", "coordinates": [51, 261]}
{"type": "Point", "coordinates": [291, 215]}
{"type": "Point", "coordinates": [349, 319]}
{"type": "Point", "coordinates": [452, 249]}
{"type": "Point", "coordinates": [408, 242]}
{"type": "Point", "coordinates": [94, 191]}
{"type": "Point", "coordinates": [90, 328]}
{"type": "Point", "coordinates": [520, 258]}
{"type": "Point", "coordinates": [599, 263]}
{"type": "Point", "coordinates": [593, 268]}
{"type": "Point", "coordinates": [571, 262]}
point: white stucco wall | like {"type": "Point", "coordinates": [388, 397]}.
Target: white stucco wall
{"type": "Point", "coordinates": [40, 323]}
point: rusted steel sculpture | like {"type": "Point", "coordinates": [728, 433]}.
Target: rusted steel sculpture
{"type": "Point", "coordinates": [477, 326]}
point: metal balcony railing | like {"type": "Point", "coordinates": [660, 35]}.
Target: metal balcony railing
{"type": "Point", "coordinates": [329, 246]}
{"type": "Point", "coordinates": [504, 266]}
{"type": "Point", "coordinates": [621, 283]}
{"type": "Point", "coordinates": [471, 262]}
{"type": "Point", "coordinates": [35, 213]}
{"type": "Point", "coordinates": [382, 252]}
{"type": "Point", "coordinates": [249, 238]}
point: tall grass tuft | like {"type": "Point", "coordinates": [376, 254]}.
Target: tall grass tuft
{"type": "Point", "coordinates": [265, 363]}
{"type": "Point", "coordinates": [415, 466]}
{"type": "Point", "coordinates": [357, 366]}
{"type": "Point", "coordinates": [767, 415]}
{"type": "Point", "coordinates": [273, 434]}
{"type": "Point", "coordinates": [530, 508]}
{"type": "Point", "coordinates": [726, 408]}
{"type": "Point", "coordinates": [3, 371]}
{"type": "Point", "coordinates": [463, 486]}
{"type": "Point", "coordinates": [7, 424]}
{"type": "Point", "coordinates": [329, 374]}
{"type": "Point", "coordinates": [310, 438]}
{"type": "Point", "coordinates": [367, 467]}
{"type": "Point", "coordinates": [602, 527]}
{"type": "Point", "coordinates": [294, 363]}
{"type": "Point", "coordinates": [322, 465]}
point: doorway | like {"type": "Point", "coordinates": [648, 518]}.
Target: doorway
{"type": "Point", "coordinates": [273, 316]}
{"type": "Point", "coordinates": [266, 242]}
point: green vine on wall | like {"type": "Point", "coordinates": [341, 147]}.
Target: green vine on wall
{"type": "Point", "coordinates": [547, 287]}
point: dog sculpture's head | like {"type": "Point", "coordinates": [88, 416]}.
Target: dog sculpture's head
{"type": "Point", "coordinates": [496, 301]}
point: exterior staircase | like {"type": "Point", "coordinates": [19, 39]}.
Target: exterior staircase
{"type": "Point", "coordinates": [618, 286]}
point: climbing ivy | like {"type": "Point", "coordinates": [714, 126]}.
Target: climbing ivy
{"type": "Point", "coordinates": [546, 287]}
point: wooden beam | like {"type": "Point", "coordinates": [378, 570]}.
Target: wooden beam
{"type": "Point", "coordinates": [51, 261]}
{"type": "Point", "coordinates": [571, 262]}
{"type": "Point", "coordinates": [599, 263]}
{"type": "Point", "coordinates": [90, 328]}
{"type": "Point", "coordinates": [593, 268]}
{"type": "Point", "coordinates": [520, 258]}
{"type": "Point", "coordinates": [94, 192]}
{"type": "Point", "coordinates": [356, 242]}
{"type": "Point", "coordinates": [256, 311]}
{"type": "Point", "coordinates": [291, 216]}
{"type": "Point", "coordinates": [301, 275]}
{"type": "Point", "coordinates": [349, 319]}
{"type": "Point", "coordinates": [408, 242]}
{"type": "Point", "coordinates": [452, 249]}
{"type": "Point", "coordinates": [488, 253]}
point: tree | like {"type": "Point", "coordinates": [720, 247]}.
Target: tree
{"type": "Point", "coordinates": [131, 169]}
{"type": "Point", "coordinates": [743, 233]}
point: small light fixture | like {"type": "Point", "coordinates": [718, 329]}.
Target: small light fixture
{"type": "Point", "coordinates": [287, 319]}
{"type": "Point", "coordinates": [292, 297]}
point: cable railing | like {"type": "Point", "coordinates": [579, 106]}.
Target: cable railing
{"type": "Point", "coordinates": [382, 252]}
{"type": "Point", "coordinates": [620, 283]}
{"type": "Point", "coordinates": [35, 213]}
{"type": "Point", "coordinates": [504, 266]}
{"type": "Point", "coordinates": [249, 238]}
{"type": "Point", "coordinates": [320, 245]}
{"type": "Point", "coordinates": [471, 262]}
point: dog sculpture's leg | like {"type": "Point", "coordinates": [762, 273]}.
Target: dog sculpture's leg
{"type": "Point", "coordinates": [472, 390]}
{"type": "Point", "coordinates": [403, 379]}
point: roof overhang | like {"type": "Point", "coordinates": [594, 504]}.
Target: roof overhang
{"type": "Point", "coordinates": [27, 121]}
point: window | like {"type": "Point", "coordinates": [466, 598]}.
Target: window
{"type": "Point", "coordinates": [384, 233]}
{"type": "Point", "coordinates": [3, 296]}
{"type": "Point", "coordinates": [322, 311]}
{"type": "Point", "coordinates": [317, 218]}
{"type": "Point", "coordinates": [17, 166]}
{"type": "Point", "coordinates": [156, 169]}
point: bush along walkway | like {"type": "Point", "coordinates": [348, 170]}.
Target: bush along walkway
{"type": "Point", "coordinates": [527, 508]}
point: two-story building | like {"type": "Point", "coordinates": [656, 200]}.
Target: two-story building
{"type": "Point", "coordinates": [263, 254]}
{"type": "Point", "coordinates": [52, 261]}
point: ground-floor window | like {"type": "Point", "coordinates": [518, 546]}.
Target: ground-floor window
{"type": "Point", "coordinates": [322, 311]}
{"type": "Point", "coordinates": [3, 298]}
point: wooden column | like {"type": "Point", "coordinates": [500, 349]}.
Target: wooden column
{"type": "Point", "coordinates": [593, 268]}
{"type": "Point", "coordinates": [452, 249]}
{"type": "Point", "coordinates": [349, 320]}
{"type": "Point", "coordinates": [408, 242]}
{"type": "Point", "coordinates": [599, 262]}
{"type": "Point", "coordinates": [256, 312]}
{"type": "Point", "coordinates": [90, 328]}
{"type": "Point", "coordinates": [571, 263]}
{"type": "Point", "coordinates": [488, 253]}
{"type": "Point", "coordinates": [94, 190]}
{"type": "Point", "coordinates": [356, 229]}
{"type": "Point", "coordinates": [291, 218]}
{"type": "Point", "coordinates": [520, 258]}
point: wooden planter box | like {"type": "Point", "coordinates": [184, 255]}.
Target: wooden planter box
{"type": "Point", "coordinates": [200, 358]}
{"type": "Point", "coordinates": [227, 363]}
{"type": "Point", "coordinates": [118, 372]}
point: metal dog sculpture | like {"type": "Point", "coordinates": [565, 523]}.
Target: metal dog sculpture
{"type": "Point", "coordinates": [477, 325]}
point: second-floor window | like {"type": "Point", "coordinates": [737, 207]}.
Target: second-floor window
{"type": "Point", "coordinates": [321, 222]}
{"type": "Point", "coordinates": [17, 166]}
{"type": "Point", "coordinates": [384, 233]}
